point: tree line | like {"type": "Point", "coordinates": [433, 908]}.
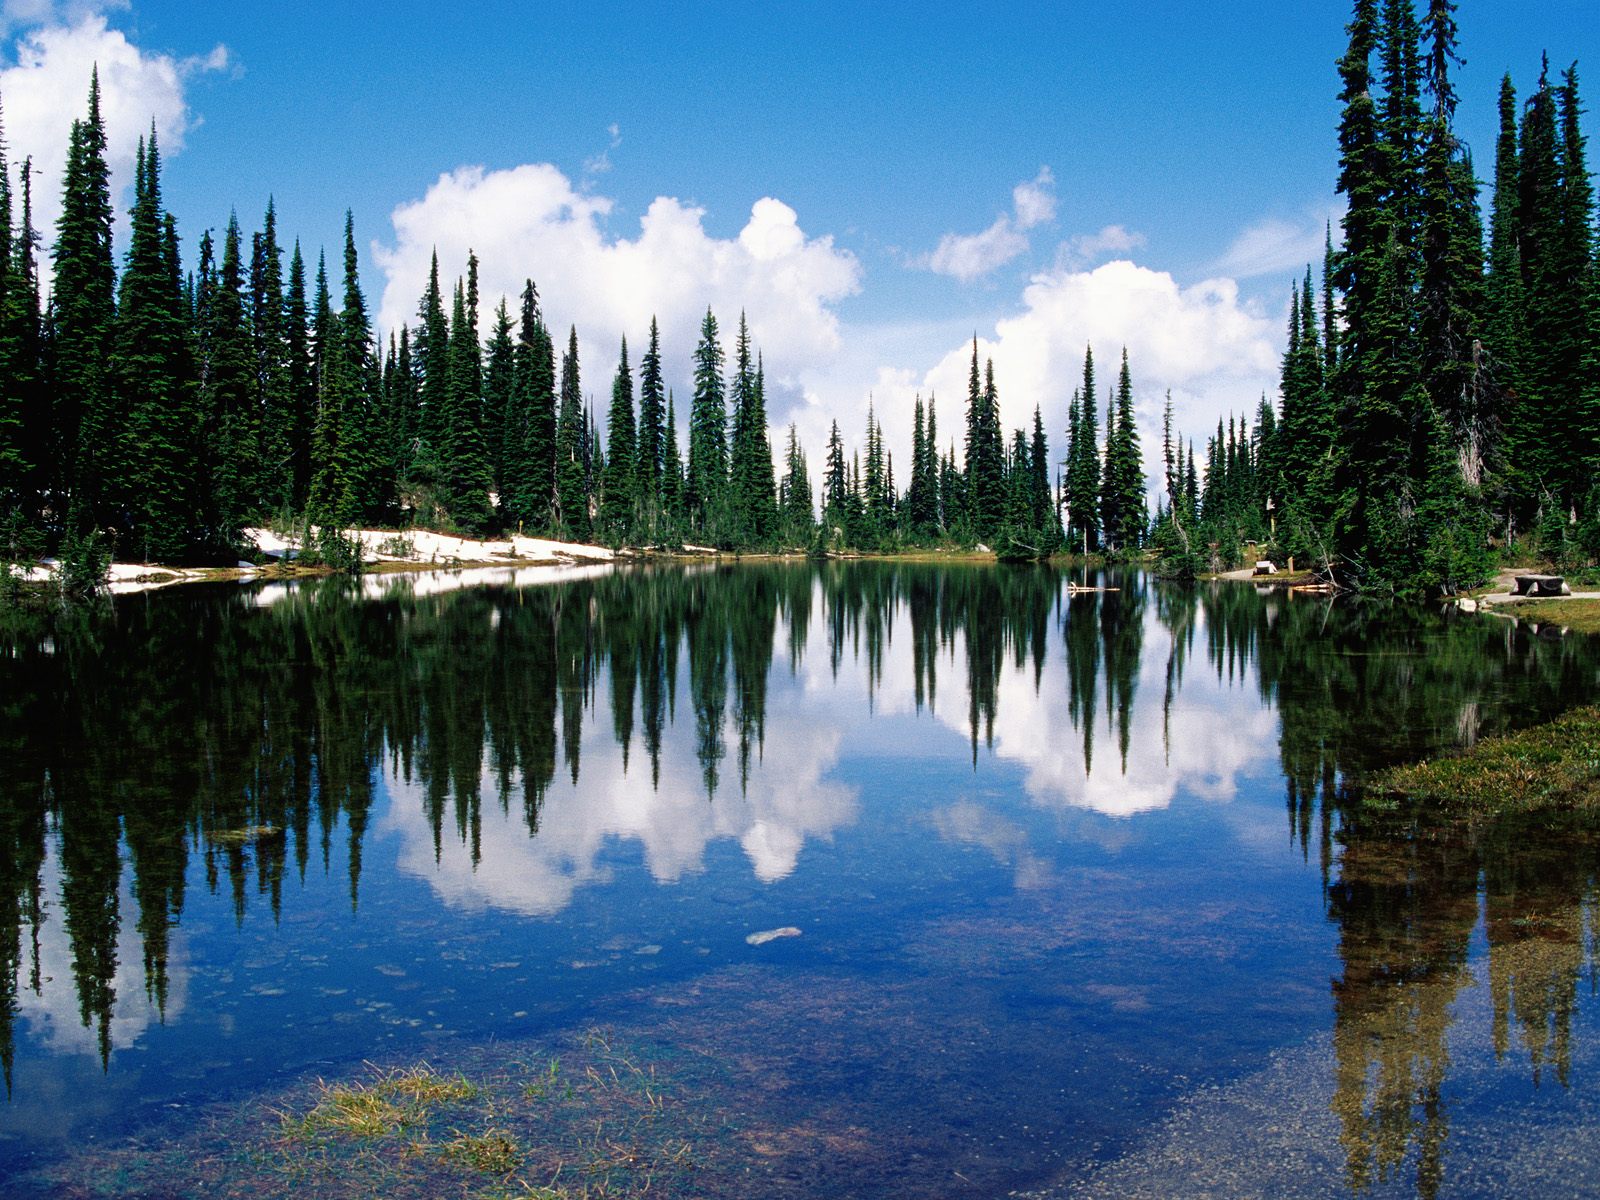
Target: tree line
{"type": "Point", "coordinates": [1440, 397]}
{"type": "Point", "coordinates": [159, 412]}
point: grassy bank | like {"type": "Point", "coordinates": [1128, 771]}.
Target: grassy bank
{"type": "Point", "coordinates": [1580, 616]}
{"type": "Point", "coordinates": [1550, 767]}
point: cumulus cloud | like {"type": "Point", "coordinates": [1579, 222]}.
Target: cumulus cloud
{"type": "Point", "coordinates": [971, 256]}
{"type": "Point", "coordinates": [531, 221]}
{"type": "Point", "coordinates": [1215, 353]}
{"type": "Point", "coordinates": [47, 86]}
{"type": "Point", "coordinates": [1276, 244]}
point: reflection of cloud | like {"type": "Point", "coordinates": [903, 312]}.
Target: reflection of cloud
{"type": "Point", "coordinates": [53, 1014]}
{"type": "Point", "coordinates": [788, 800]}
{"type": "Point", "coordinates": [1006, 841]}
{"type": "Point", "coordinates": [1217, 730]}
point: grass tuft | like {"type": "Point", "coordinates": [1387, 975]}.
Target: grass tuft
{"type": "Point", "coordinates": [1555, 766]}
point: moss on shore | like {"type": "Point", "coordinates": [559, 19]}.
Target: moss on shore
{"type": "Point", "coordinates": [1550, 767]}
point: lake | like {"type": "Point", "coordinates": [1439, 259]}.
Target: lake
{"type": "Point", "coordinates": [866, 879]}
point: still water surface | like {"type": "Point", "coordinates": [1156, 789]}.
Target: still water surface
{"type": "Point", "coordinates": [1082, 905]}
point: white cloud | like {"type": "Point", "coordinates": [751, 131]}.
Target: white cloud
{"type": "Point", "coordinates": [1088, 248]}
{"type": "Point", "coordinates": [971, 256]}
{"type": "Point", "coordinates": [530, 221]}
{"type": "Point", "coordinates": [1035, 200]}
{"type": "Point", "coordinates": [1275, 244]}
{"type": "Point", "coordinates": [47, 88]}
{"type": "Point", "coordinates": [1216, 354]}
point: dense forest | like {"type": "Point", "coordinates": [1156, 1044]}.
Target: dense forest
{"type": "Point", "coordinates": [1441, 396]}
{"type": "Point", "coordinates": [1439, 406]}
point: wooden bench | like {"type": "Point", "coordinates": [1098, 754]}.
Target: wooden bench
{"type": "Point", "coordinates": [1539, 585]}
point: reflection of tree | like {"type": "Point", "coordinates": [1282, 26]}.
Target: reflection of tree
{"type": "Point", "coordinates": [1406, 902]}
{"type": "Point", "coordinates": [199, 729]}
{"type": "Point", "coordinates": [199, 732]}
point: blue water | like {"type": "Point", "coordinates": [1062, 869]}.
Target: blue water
{"type": "Point", "coordinates": [1077, 878]}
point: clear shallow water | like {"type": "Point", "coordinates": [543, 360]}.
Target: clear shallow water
{"type": "Point", "coordinates": [1081, 908]}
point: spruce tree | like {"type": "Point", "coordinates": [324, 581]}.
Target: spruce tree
{"type": "Point", "coordinates": [273, 394]}
{"type": "Point", "coordinates": [302, 379]}
{"type": "Point", "coordinates": [652, 415]}
{"type": "Point", "coordinates": [82, 310]}
{"type": "Point", "coordinates": [708, 448]}
{"type": "Point", "coordinates": [618, 505]}
{"type": "Point", "coordinates": [672, 481]}
{"type": "Point", "coordinates": [229, 389]}
{"type": "Point", "coordinates": [1083, 466]}
{"type": "Point", "coordinates": [152, 388]}
{"type": "Point", "coordinates": [572, 491]}
{"type": "Point", "coordinates": [25, 442]}
{"type": "Point", "coordinates": [499, 410]}
{"type": "Point", "coordinates": [985, 472]}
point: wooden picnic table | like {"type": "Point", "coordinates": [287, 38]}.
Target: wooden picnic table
{"type": "Point", "coordinates": [1539, 585]}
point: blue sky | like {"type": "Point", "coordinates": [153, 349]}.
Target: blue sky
{"type": "Point", "coordinates": [1039, 175]}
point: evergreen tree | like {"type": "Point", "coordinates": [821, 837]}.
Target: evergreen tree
{"type": "Point", "coordinates": [708, 448]}
{"type": "Point", "coordinates": [229, 388]}
{"type": "Point", "coordinates": [1083, 466]}
{"type": "Point", "coordinates": [151, 387]}
{"type": "Point", "coordinates": [652, 414]}
{"type": "Point", "coordinates": [618, 505]}
{"type": "Point", "coordinates": [464, 465]}
{"type": "Point", "coordinates": [572, 490]}
{"type": "Point", "coordinates": [273, 395]}
{"type": "Point", "coordinates": [82, 310]}
{"type": "Point", "coordinates": [672, 482]}
{"type": "Point", "coordinates": [302, 379]}
{"type": "Point", "coordinates": [499, 409]}
{"type": "Point", "coordinates": [835, 483]}
{"type": "Point", "coordinates": [1122, 500]}
{"type": "Point", "coordinates": [985, 472]}
{"type": "Point", "coordinates": [25, 442]}
{"type": "Point", "coordinates": [795, 515]}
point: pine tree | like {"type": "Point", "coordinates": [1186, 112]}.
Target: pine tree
{"type": "Point", "coordinates": [572, 490]}
{"type": "Point", "coordinates": [651, 449]}
{"type": "Point", "coordinates": [499, 410]}
{"type": "Point", "coordinates": [228, 394]}
{"type": "Point", "coordinates": [273, 395]}
{"type": "Point", "coordinates": [672, 481]}
{"type": "Point", "coordinates": [1042, 509]}
{"type": "Point", "coordinates": [618, 505]}
{"type": "Point", "coordinates": [531, 435]}
{"type": "Point", "coordinates": [708, 469]}
{"type": "Point", "coordinates": [464, 464]}
{"type": "Point", "coordinates": [25, 443]}
{"type": "Point", "coordinates": [835, 483]}
{"type": "Point", "coordinates": [82, 310]}
{"type": "Point", "coordinates": [302, 379]}
{"type": "Point", "coordinates": [1122, 501]}
{"type": "Point", "coordinates": [751, 489]}
{"type": "Point", "coordinates": [795, 513]}
{"type": "Point", "coordinates": [986, 496]}
{"type": "Point", "coordinates": [1083, 466]}
{"type": "Point", "coordinates": [431, 350]}
{"type": "Point", "coordinates": [366, 485]}
{"type": "Point", "coordinates": [151, 385]}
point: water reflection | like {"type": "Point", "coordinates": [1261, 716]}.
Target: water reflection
{"type": "Point", "coordinates": [509, 736]}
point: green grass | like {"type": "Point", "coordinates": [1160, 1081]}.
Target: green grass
{"type": "Point", "coordinates": [1580, 616]}
{"type": "Point", "coordinates": [1555, 766]}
